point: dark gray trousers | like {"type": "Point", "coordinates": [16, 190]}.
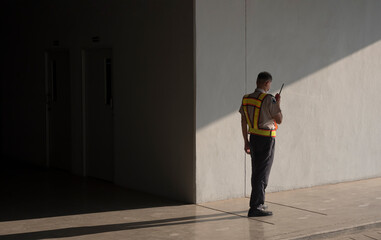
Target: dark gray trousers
{"type": "Point", "coordinates": [262, 156]}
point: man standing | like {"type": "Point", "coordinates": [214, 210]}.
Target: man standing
{"type": "Point", "coordinates": [260, 114]}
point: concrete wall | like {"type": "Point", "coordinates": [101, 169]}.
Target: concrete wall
{"type": "Point", "coordinates": [328, 55]}
{"type": "Point", "coordinates": [152, 46]}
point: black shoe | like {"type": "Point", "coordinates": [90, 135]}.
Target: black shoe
{"type": "Point", "coordinates": [258, 213]}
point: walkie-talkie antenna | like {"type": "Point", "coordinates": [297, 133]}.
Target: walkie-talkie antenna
{"type": "Point", "coordinates": [281, 88]}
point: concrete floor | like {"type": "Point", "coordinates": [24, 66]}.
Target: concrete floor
{"type": "Point", "coordinates": [41, 204]}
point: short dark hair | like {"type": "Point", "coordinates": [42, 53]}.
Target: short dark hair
{"type": "Point", "coordinates": [264, 77]}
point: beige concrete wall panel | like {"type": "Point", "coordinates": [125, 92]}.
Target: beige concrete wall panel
{"type": "Point", "coordinates": [322, 51]}
{"type": "Point", "coordinates": [327, 53]}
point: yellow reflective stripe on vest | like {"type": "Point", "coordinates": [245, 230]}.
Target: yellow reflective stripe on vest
{"type": "Point", "coordinates": [263, 132]}
{"type": "Point", "coordinates": [254, 127]}
{"type": "Point", "coordinates": [262, 96]}
{"type": "Point", "coordinates": [247, 117]}
{"type": "Point", "coordinates": [252, 102]}
{"type": "Point", "coordinates": [256, 118]}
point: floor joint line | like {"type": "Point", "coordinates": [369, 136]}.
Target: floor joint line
{"type": "Point", "coordinates": [219, 210]}
{"type": "Point", "coordinates": [301, 209]}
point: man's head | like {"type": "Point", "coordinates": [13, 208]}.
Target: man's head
{"type": "Point", "coordinates": [264, 80]}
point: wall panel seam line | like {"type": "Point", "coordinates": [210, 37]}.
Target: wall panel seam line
{"type": "Point", "coordinates": [245, 55]}
{"type": "Point", "coordinates": [194, 197]}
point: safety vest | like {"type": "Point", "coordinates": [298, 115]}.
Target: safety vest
{"type": "Point", "coordinates": [253, 123]}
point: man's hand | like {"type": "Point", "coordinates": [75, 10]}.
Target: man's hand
{"type": "Point", "coordinates": [247, 147]}
{"type": "Point", "coordinates": [278, 117]}
{"type": "Point", "coordinates": [277, 98]}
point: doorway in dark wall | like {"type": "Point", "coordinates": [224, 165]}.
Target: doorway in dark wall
{"type": "Point", "coordinates": [58, 126]}
{"type": "Point", "coordinates": [98, 113]}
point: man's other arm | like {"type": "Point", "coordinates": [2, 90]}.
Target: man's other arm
{"type": "Point", "coordinates": [245, 134]}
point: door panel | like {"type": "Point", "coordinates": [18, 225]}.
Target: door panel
{"type": "Point", "coordinates": [58, 109]}
{"type": "Point", "coordinates": [97, 70]}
